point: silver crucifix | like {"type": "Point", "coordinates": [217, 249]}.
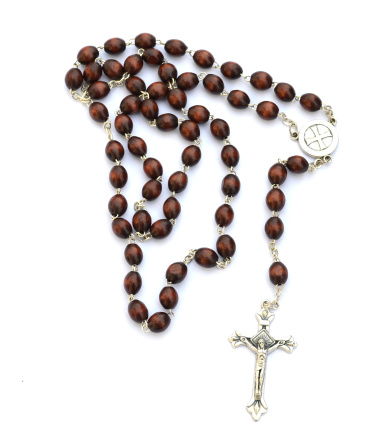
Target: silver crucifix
{"type": "Point", "coordinates": [262, 344]}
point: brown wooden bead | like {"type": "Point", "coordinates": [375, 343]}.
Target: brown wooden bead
{"type": "Point", "coordinates": [310, 102]}
{"type": "Point", "coordinates": [133, 64]}
{"type": "Point", "coordinates": [131, 104]}
{"type": "Point", "coordinates": [137, 146]}
{"type": "Point", "coordinates": [142, 221]}
{"type": "Point", "coordinates": [149, 109]}
{"type": "Point", "coordinates": [145, 40]}
{"type": "Point", "coordinates": [117, 205]}
{"type": "Point", "coordinates": [189, 130]}
{"type": "Point", "coordinates": [219, 129]}
{"type": "Point", "coordinates": [285, 92]}
{"type": "Point", "coordinates": [277, 174]}
{"type": "Point", "coordinates": [123, 124]}
{"type": "Point", "coordinates": [151, 190]}
{"type": "Point", "coordinates": [206, 258]}
{"type": "Point", "coordinates": [87, 54]}
{"type": "Point", "coordinates": [230, 156]}
{"type": "Point", "coordinates": [177, 182]}
{"type": "Point", "coordinates": [231, 70]}
{"type": "Point", "coordinates": [224, 215]}
{"type": "Point", "coordinates": [138, 311]}
{"type": "Point", "coordinates": [238, 99]}
{"type": "Point", "coordinates": [132, 282]}
{"type": "Point", "coordinates": [167, 72]}
{"type": "Point", "coordinates": [261, 80]}
{"type": "Point", "coordinates": [176, 272]}
{"type": "Point", "coordinates": [135, 85]}
{"type": "Point", "coordinates": [98, 112]}
{"type": "Point", "coordinates": [74, 79]}
{"type": "Point", "coordinates": [231, 185]}
{"type": "Point", "coordinates": [275, 200]}
{"type": "Point", "coordinates": [161, 229]}
{"type": "Point", "coordinates": [199, 114]}
{"type": "Point", "coordinates": [92, 72]}
{"type": "Point", "coordinates": [114, 150]}
{"type": "Point", "coordinates": [191, 155]}
{"type": "Point", "coordinates": [204, 58]}
{"type": "Point", "coordinates": [278, 273]}
{"type": "Point", "coordinates": [177, 99]}
{"type": "Point", "coordinates": [214, 84]}
{"type": "Point", "coordinates": [113, 69]}
{"type": "Point", "coordinates": [152, 56]}
{"type": "Point", "coordinates": [171, 208]}
{"type": "Point", "coordinates": [226, 246]}
{"type": "Point", "coordinates": [274, 228]}
{"type": "Point", "coordinates": [121, 228]}
{"type": "Point", "coordinates": [133, 254]}
{"type": "Point", "coordinates": [297, 164]}
{"type": "Point", "coordinates": [118, 176]}
{"type": "Point", "coordinates": [187, 81]}
{"type": "Point", "coordinates": [167, 122]}
{"type": "Point", "coordinates": [175, 47]}
{"type": "Point", "coordinates": [115, 45]}
{"type": "Point", "coordinates": [168, 298]}
{"type": "Point", "coordinates": [159, 322]}
{"type": "Point", "coordinates": [152, 168]}
{"type": "Point", "coordinates": [157, 90]}
{"type": "Point", "coordinates": [267, 110]}
{"type": "Point", "coordinates": [98, 90]}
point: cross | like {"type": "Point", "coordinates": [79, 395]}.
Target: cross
{"type": "Point", "coordinates": [262, 344]}
{"type": "Point", "coordinates": [318, 137]}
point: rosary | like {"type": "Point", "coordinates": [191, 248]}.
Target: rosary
{"type": "Point", "coordinates": [317, 138]}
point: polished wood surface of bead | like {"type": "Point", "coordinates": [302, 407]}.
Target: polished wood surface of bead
{"type": "Point", "coordinates": [230, 155]}
{"type": "Point", "coordinates": [92, 72]}
{"type": "Point", "coordinates": [231, 185]}
{"type": "Point", "coordinates": [189, 130]}
{"type": "Point", "coordinates": [117, 205]}
{"type": "Point", "coordinates": [167, 122]}
{"type": "Point", "coordinates": [178, 182]}
{"type": "Point", "coordinates": [171, 208]}
{"type": "Point", "coordinates": [142, 221]}
{"type": "Point", "coordinates": [278, 273]}
{"type": "Point", "coordinates": [267, 110]}
{"type": "Point", "coordinates": [275, 200]}
{"type": "Point", "coordinates": [219, 129]}
{"type": "Point", "coordinates": [161, 229]}
{"type": "Point", "coordinates": [132, 282]}
{"type": "Point", "coordinates": [199, 114]}
{"type": "Point", "coordinates": [145, 40]}
{"type": "Point", "coordinates": [138, 311]}
{"type": "Point", "coordinates": [151, 190]}
{"type": "Point", "coordinates": [115, 45]}
{"type": "Point", "coordinates": [137, 146]}
{"type": "Point", "coordinates": [224, 215]}
{"type": "Point", "coordinates": [98, 112]}
{"type": "Point", "coordinates": [149, 109]}
{"type": "Point", "coordinates": [177, 99]}
{"type": "Point", "coordinates": [226, 246]}
{"type": "Point", "coordinates": [231, 70]}
{"type": "Point", "coordinates": [74, 79]}
{"type": "Point", "coordinates": [159, 322]}
{"type": "Point", "coordinates": [168, 298]}
{"type": "Point", "coordinates": [297, 164]}
{"type": "Point", "coordinates": [311, 102]}
{"type": "Point", "coordinates": [98, 90]}
{"type": "Point", "coordinates": [274, 228]}
{"type": "Point", "coordinates": [131, 104]}
{"type": "Point", "coordinates": [204, 58]}
{"type": "Point", "coordinates": [121, 228]}
{"type": "Point", "coordinates": [118, 176]}
{"type": "Point", "coordinates": [191, 155]}
{"type": "Point", "coordinates": [113, 69]}
{"type": "Point", "coordinates": [187, 81]}
{"type": "Point", "coordinates": [123, 124]}
{"type": "Point", "coordinates": [135, 85]}
{"type": "Point", "coordinates": [175, 47]}
{"type": "Point", "coordinates": [133, 254]}
{"type": "Point", "coordinates": [238, 99]}
{"type": "Point", "coordinates": [277, 174]}
{"type": "Point", "coordinates": [152, 56]}
{"type": "Point", "coordinates": [157, 90]}
{"type": "Point", "coordinates": [87, 54]}
{"type": "Point", "coordinates": [214, 84]}
{"type": "Point", "coordinates": [176, 272]}
{"type": "Point", "coordinates": [167, 72]}
{"type": "Point", "coordinates": [207, 258]}
{"type": "Point", "coordinates": [261, 80]}
{"type": "Point", "coordinates": [133, 64]}
{"type": "Point", "coordinates": [285, 92]}
{"type": "Point", "coordinates": [152, 168]}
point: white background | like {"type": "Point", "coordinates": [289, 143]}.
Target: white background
{"type": "Point", "coordinates": [75, 370]}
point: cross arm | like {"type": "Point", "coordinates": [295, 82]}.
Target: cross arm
{"type": "Point", "coordinates": [238, 339]}
{"type": "Point", "coordinates": [286, 344]}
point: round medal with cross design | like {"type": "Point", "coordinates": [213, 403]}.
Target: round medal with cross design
{"type": "Point", "coordinates": [318, 138]}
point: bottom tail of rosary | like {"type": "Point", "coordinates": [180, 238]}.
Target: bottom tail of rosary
{"type": "Point", "coordinates": [257, 407]}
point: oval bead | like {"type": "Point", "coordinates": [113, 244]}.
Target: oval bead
{"type": "Point", "coordinates": [74, 79]}
{"type": "Point", "coordinates": [275, 200]}
{"type": "Point", "coordinates": [121, 228]}
{"type": "Point", "coordinates": [115, 45]}
{"type": "Point", "coordinates": [274, 228]}
{"type": "Point", "coordinates": [175, 47]}
{"type": "Point", "coordinates": [159, 322]}
{"type": "Point", "coordinates": [135, 85]}
{"type": "Point", "coordinates": [310, 102]}
{"type": "Point", "coordinates": [297, 164]}
{"type": "Point", "coordinates": [177, 182]}
{"type": "Point", "coordinates": [261, 80]}
{"type": "Point", "coordinates": [224, 215]}
{"type": "Point", "coordinates": [92, 72]}
{"type": "Point", "coordinates": [87, 54]}
{"type": "Point", "coordinates": [238, 99]}
{"type": "Point", "coordinates": [141, 221]}
{"type": "Point", "coordinates": [277, 174]}
{"type": "Point", "coordinates": [219, 129]}
{"type": "Point", "coordinates": [149, 109]}
{"type": "Point", "coordinates": [191, 155]}
{"type": "Point", "coordinates": [145, 40]}
{"type": "Point", "coordinates": [168, 298]}
{"type": "Point", "coordinates": [161, 229]}
{"type": "Point", "coordinates": [167, 122]}
{"type": "Point", "coordinates": [131, 104]}
{"type": "Point", "coordinates": [133, 254]}
{"type": "Point", "coordinates": [157, 90]}
{"type": "Point", "coordinates": [187, 81]}
{"type": "Point", "coordinates": [214, 84]}
{"type": "Point", "coordinates": [267, 110]}
{"type": "Point", "coordinates": [98, 90]}
{"type": "Point", "coordinates": [113, 69]}
{"type": "Point", "coordinates": [278, 273]}
{"type": "Point", "coordinates": [207, 258]}
{"type": "Point", "coordinates": [177, 99]}
{"type": "Point", "coordinates": [117, 205]}
{"type": "Point", "coordinates": [152, 56]}
{"type": "Point", "coordinates": [226, 246]}
{"type": "Point", "coordinates": [123, 124]}
{"type": "Point", "coordinates": [152, 168]}
{"type": "Point", "coordinates": [132, 282]}
{"type": "Point", "coordinates": [133, 64]}
{"type": "Point", "coordinates": [230, 156]}
{"type": "Point", "coordinates": [176, 272]}
{"type": "Point", "coordinates": [138, 311]}
{"type": "Point", "coordinates": [199, 114]}
{"type": "Point", "coordinates": [98, 112]}
{"type": "Point", "coordinates": [231, 70]}
{"type": "Point", "coordinates": [114, 150]}
{"type": "Point", "coordinates": [189, 130]}
{"type": "Point", "coordinates": [285, 92]}
{"type": "Point", "coordinates": [171, 208]}
{"type": "Point", "coordinates": [151, 190]}
{"type": "Point", "coordinates": [231, 185]}
{"type": "Point", "coordinates": [118, 176]}
{"type": "Point", "coordinates": [137, 146]}
{"type": "Point", "coordinates": [167, 72]}
{"type": "Point", "coordinates": [204, 58]}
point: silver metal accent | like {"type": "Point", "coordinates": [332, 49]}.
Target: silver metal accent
{"type": "Point", "coordinates": [318, 138]}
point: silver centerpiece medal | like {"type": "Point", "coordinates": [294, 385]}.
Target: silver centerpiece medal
{"type": "Point", "coordinates": [318, 138]}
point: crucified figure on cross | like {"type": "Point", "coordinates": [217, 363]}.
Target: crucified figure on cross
{"type": "Point", "coordinates": [262, 344]}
